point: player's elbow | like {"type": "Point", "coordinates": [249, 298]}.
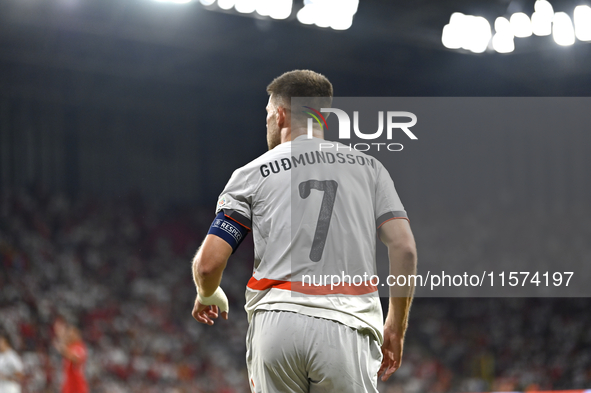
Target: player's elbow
{"type": "Point", "coordinates": [404, 246]}
{"type": "Point", "coordinates": [409, 249]}
{"type": "Point", "coordinates": [210, 268]}
{"type": "Point", "coordinates": [211, 258]}
{"type": "Point", "coordinates": [406, 254]}
{"type": "Point", "coordinates": [205, 270]}
{"type": "Point", "coordinates": [409, 260]}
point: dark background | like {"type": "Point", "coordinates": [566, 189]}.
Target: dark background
{"type": "Point", "coordinates": [168, 99]}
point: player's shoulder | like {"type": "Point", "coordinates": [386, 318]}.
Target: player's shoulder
{"type": "Point", "coordinates": [282, 150]}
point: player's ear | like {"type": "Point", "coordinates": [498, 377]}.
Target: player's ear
{"type": "Point", "coordinates": [281, 117]}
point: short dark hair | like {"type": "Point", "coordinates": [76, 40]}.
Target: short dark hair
{"type": "Point", "coordinates": [301, 83]}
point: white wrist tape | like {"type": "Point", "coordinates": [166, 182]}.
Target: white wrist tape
{"type": "Point", "coordinates": [217, 299]}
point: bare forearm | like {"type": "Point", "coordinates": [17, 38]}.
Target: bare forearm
{"type": "Point", "coordinates": [403, 262]}
{"type": "Point", "coordinates": [209, 264]}
{"type": "Point", "coordinates": [206, 283]}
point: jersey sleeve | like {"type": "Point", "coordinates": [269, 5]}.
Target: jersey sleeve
{"type": "Point", "coordinates": [388, 204]}
{"type": "Point", "coordinates": [236, 199]}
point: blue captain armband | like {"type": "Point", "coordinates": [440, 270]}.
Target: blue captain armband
{"type": "Point", "coordinates": [229, 230]}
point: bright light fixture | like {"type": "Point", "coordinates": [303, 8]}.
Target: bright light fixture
{"type": "Point", "coordinates": [541, 25]}
{"type": "Point", "coordinates": [467, 32]}
{"type": "Point", "coordinates": [583, 22]}
{"type": "Point", "coordinates": [481, 34]}
{"type": "Point", "coordinates": [563, 30]}
{"type": "Point", "coordinates": [502, 25]}
{"type": "Point", "coordinates": [336, 14]}
{"type": "Point", "coordinates": [451, 37]}
{"type": "Point", "coordinates": [503, 43]}
{"type": "Point", "coordinates": [226, 4]}
{"type": "Point", "coordinates": [473, 33]}
{"type": "Point", "coordinates": [544, 8]}
{"type": "Point", "coordinates": [276, 9]}
{"type": "Point", "coordinates": [245, 6]}
{"type": "Point", "coordinates": [541, 20]}
{"type": "Point", "coordinates": [521, 25]}
{"type": "Point", "coordinates": [306, 16]}
{"type": "Point", "coordinates": [280, 9]}
{"type": "Point", "coordinates": [174, 1]}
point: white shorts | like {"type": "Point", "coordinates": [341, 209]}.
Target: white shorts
{"type": "Point", "coordinates": [291, 352]}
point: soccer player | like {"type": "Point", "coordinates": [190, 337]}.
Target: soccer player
{"type": "Point", "coordinates": [69, 344]}
{"type": "Point", "coordinates": [313, 214]}
{"type": "Point", "coordinates": [11, 367]}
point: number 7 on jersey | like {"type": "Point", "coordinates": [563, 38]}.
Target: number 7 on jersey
{"type": "Point", "coordinates": [329, 187]}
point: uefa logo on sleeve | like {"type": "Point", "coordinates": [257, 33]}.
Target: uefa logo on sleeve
{"type": "Point", "coordinates": [222, 201]}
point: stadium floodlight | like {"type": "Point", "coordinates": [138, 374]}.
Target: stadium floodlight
{"type": "Point", "coordinates": [450, 37]}
{"type": "Point", "coordinates": [473, 33]}
{"type": "Point", "coordinates": [541, 20]}
{"type": "Point", "coordinates": [457, 19]}
{"type": "Point", "coordinates": [174, 1]}
{"type": "Point", "coordinates": [468, 32]}
{"type": "Point", "coordinates": [264, 7]}
{"type": "Point", "coordinates": [342, 14]}
{"type": "Point", "coordinates": [503, 42]}
{"type": "Point", "coordinates": [245, 6]}
{"type": "Point", "coordinates": [323, 22]}
{"type": "Point", "coordinates": [478, 34]}
{"type": "Point", "coordinates": [342, 23]}
{"type": "Point", "coordinates": [544, 8]}
{"type": "Point", "coordinates": [521, 25]}
{"type": "Point", "coordinates": [562, 29]}
{"type": "Point", "coordinates": [278, 9]}
{"type": "Point", "coordinates": [541, 25]}
{"type": "Point", "coordinates": [306, 15]}
{"type": "Point", "coordinates": [336, 14]}
{"type": "Point", "coordinates": [226, 4]}
{"type": "Point", "coordinates": [502, 25]}
{"type": "Point", "coordinates": [583, 22]}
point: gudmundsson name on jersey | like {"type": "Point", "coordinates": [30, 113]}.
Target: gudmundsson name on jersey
{"type": "Point", "coordinates": [312, 158]}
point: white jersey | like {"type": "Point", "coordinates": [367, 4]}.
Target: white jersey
{"type": "Point", "coordinates": [10, 365]}
{"type": "Point", "coordinates": [314, 208]}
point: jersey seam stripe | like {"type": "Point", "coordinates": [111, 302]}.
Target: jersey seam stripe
{"type": "Point", "coordinates": [341, 289]}
{"type": "Point", "coordinates": [393, 218]}
{"type": "Point", "coordinates": [235, 220]}
{"type": "Point", "coordinates": [384, 218]}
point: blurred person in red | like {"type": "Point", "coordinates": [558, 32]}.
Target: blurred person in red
{"type": "Point", "coordinates": [11, 366]}
{"type": "Point", "coordinates": [69, 344]}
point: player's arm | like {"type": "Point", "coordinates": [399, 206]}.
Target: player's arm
{"type": "Point", "coordinates": [224, 237]}
{"type": "Point", "coordinates": [75, 355]}
{"type": "Point", "coordinates": [402, 253]}
{"type": "Point", "coordinates": [209, 264]}
{"type": "Point", "coordinates": [208, 267]}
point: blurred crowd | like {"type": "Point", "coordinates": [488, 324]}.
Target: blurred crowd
{"type": "Point", "coordinates": [121, 270]}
